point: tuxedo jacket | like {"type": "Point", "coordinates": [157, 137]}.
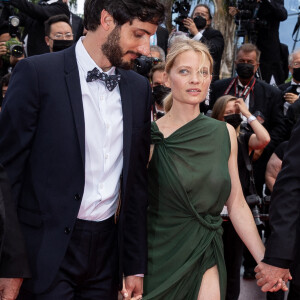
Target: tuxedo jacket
{"type": "Point", "coordinates": [42, 144]}
{"type": "Point", "coordinates": [214, 40]}
{"type": "Point", "coordinates": [13, 254]}
{"type": "Point", "coordinates": [77, 26]}
{"type": "Point", "coordinates": [282, 248]}
{"type": "Point", "coordinates": [265, 99]}
{"type": "Point", "coordinates": [162, 38]}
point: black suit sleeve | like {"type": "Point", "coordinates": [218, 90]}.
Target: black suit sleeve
{"type": "Point", "coordinates": [274, 9]}
{"type": "Point", "coordinates": [135, 235]}
{"type": "Point", "coordinates": [215, 42]}
{"type": "Point", "coordinates": [285, 206]}
{"type": "Point", "coordinates": [41, 12]}
{"type": "Point", "coordinates": [13, 259]}
{"type": "Point", "coordinates": [276, 128]}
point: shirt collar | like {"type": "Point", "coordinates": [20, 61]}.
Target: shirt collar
{"type": "Point", "coordinates": [294, 83]}
{"type": "Point", "coordinates": [85, 62]}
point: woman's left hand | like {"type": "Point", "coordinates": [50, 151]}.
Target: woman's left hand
{"type": "Point", "coordinates": [190, 25]}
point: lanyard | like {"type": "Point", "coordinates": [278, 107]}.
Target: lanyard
{"type": "Point", "coordinates": [246, 90]}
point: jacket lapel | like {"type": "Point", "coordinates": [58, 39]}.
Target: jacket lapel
{"type": "Point", "coordinates": [75, 95]}
{"type": "Point", "coordinates": [126, 97]}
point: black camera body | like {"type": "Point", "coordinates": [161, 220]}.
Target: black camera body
{"type": "Point", "coordinates": [259, 207]}
{"type": "Point", "coordinates": [144, 64]}
{"type": "Point", "coordinates": [183, 9]}
{"type": "Point", "coordinates": [247, 19]}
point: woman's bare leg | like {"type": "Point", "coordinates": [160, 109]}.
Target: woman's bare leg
{"type": "Point", "coordinates": [210, 285]}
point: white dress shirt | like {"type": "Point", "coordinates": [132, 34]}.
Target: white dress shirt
{"type": "Point", "coordinates": [103, 142]}
{"type": "Point", "coordinates": [199, 35]}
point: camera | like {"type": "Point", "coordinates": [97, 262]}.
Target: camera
{"type": "Point", "coordinates": [247, 19]}
{"type": "Point", "coordinates": [14, 47]}
{"type": "Point", "coordinates": [259, 208]}
{"type": "Point", "coordinates": [183, 9]}
{"type": "Point", "coordinates": [144, 64]}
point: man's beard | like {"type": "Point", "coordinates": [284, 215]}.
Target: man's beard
{"type": "Point", "coordinates": [113, 51]}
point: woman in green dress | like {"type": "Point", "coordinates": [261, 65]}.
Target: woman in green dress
{"type": "Point", "coordinates": [192, 174]}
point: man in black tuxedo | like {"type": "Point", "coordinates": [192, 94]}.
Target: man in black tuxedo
{"type": "Point", "coordinates": [74, 140]}
{"type": "Point", "coordinates": [282, 248]}
{"type": "Point", "coordinates": [291, 92]}
{"type": "Point", "coordinates": [199, 26]}
{"type": "Point", "coordinates": [13, 256]}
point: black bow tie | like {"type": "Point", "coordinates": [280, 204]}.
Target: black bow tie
{"type": "Point", "coordinates": [111, 81]}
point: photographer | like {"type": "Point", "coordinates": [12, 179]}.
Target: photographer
{"type": "Point", "coordinates": [58, 33]}
{"type": "Point", "coordinates": [11, 49]}
{"type": "Point", "coordinates": [261, 20]}
{"type": "Point", "coordinates": [159, 90]}
{"type": "Point", "coordinates": [291, 92]}
{"type": "Point", "coordinates": [33, 16]}
{"type": "Point", "coordinates": [199, 26]}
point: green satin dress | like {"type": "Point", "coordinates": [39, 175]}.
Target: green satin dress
{"type": "Point", "coordinates": [189, 183]}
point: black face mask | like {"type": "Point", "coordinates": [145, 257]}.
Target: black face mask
{"type": "Point", "coordinates": [245, 71]}
{"type": "Point", "coordinates": [200, 22]}
{"type": "Point", "coordinates": [61, 44]}
{"type": "Point", "coordinates": [159, 93]}
{"type": "Point", "coordinates": [296, 74]}
{"type": "Point", "coordinates": [235, 120]}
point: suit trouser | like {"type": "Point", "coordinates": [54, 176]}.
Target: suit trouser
{"type": "Point", "coordinates": [89, 270]}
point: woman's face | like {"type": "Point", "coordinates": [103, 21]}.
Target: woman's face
{"type": "Point", "coordinates": [189, 78]}
{"type": "Point", "coordinates": [230, 109]}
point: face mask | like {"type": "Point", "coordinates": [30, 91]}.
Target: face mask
{"type": "Point", "coordinates": [235, 120]}
{"type": "Point", "coordinates": [200, 22]}
{"type": "Point", "coordinates": [245, 71]}
{"type": "Point", "coordinates": [61, 44]}
{"type": "Point", "coordinates": [296, 74]}
{"type": "Point", "coordinates": [159, 93]}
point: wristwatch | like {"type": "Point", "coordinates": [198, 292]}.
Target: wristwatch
{"type": "Point", "coordinates": [251, 119]}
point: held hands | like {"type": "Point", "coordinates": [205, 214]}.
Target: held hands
{"type": "Point", "coordinates": [9, 288]}
{"type": "Point", "coordinates": [290, 97]}
{"type": "Point", "coordinates": [271, 278]}
{"type": "Point", "coordinates": [190, 25]}
{"type": "Point", "coordinates": [132, 288]}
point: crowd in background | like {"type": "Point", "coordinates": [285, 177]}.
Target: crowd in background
{"type": "Point", "coordinates": [262, 114]}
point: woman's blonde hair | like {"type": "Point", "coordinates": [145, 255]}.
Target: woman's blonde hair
{"type": "Point", "coordinates": [177, 48]}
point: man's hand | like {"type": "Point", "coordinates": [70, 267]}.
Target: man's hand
{"type": "Point", "coordinates": [3, 49]}
{"type": "Point", "coordinates": [290, 97]}
{"type": "Point", "coordinates": [190, 25]}
{"type": "Point", "coordinates": [9, 288]}
{"type": "Point", "coordinates": [132, 288]}
{"type": "Point", "coordinates": [271, 278]}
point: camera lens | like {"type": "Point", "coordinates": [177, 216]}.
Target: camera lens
{"type": "Point", "coordinates": [16, 51]}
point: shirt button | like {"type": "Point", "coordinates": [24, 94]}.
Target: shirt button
{"type": "Point", "coordinates": [106, 156]}
{"type": "Point", "coordinates": [67, 230]}
{"type": "Point", "coordinates": [77, 197]}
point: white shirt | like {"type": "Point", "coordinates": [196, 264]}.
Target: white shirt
{"type": "Point", "coordinates": [103, 142]}
{"type": "Point", "coordinates": [199, 35]}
